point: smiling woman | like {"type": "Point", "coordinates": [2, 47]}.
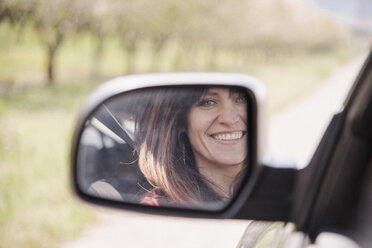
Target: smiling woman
{"type": "Point", "coordinates": [192, 144]}
{"type": "Point", "coordinates": [217, 127]}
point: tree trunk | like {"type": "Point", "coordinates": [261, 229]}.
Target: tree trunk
{"type": "Point", "coordinates": [51, 65]}
{"type": "Point", "coordinates": [130, 61]}
{"type": "Point", "coordinates": [159, 45]}
{"type": "Point", "coordinates": [130, 43]}
{"type": "Point", "coordinates": [52, 46]}
{"type": "Point", "coordinates": [95, 72]}
{"type": "Point", "coordinates": [97, 57]}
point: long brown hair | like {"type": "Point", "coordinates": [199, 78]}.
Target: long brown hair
{"type": "Point", "coordinates": [165, 154]}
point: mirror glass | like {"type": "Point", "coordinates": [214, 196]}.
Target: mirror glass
{"type": "Point", "coordinates": [174, 146]}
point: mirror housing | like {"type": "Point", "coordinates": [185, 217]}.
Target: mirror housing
{"type": "Point", "coordinates": [240, 205]}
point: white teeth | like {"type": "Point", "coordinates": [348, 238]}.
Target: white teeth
{"type": "Point", "coordinates": [228, 136]}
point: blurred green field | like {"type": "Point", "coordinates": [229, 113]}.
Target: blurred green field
{"type": "Point", "coordinates": [36, 206]}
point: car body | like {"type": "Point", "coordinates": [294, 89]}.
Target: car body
{"type": "Point", "coordinates": [327, 201]}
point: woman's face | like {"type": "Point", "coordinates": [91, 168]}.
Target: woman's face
{"type": "Point", "coordinates": [217, 128]}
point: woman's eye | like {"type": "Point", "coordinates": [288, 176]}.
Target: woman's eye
{"type": "Point", "coordinates": [242, 99]}
{"type": "Point", "coordinates": [206, 102]}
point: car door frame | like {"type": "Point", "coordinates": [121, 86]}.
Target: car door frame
{"type": "Point", "coordinates": [327, 190]}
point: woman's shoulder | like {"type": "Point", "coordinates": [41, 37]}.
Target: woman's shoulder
{"type": "Point", "coordinates": [157, 197]}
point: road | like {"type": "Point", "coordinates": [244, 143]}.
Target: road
{"type": "Point", "coordinates": [302, 124]}
{"type": "Point", "coordinates": [302, 121]}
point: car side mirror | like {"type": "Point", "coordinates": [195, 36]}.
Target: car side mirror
{"type": "Point", "coordinates": [183, 144]}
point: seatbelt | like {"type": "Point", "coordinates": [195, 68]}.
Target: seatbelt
{"type": "Point", "coordinates": [109, 121]}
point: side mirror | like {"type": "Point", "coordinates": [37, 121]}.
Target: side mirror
{"type": "Point", "coordinates": [183, 144]}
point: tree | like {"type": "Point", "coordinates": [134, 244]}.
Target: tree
{"type": "Point", "coordinates": [161, 26]}
{"type": "Point", "coordinates": [100, 23]}
{"type": "Point", "coordinates": [17, 13]}
{"type": "Point", "coordinates": [128, 27]}
{"type": "Point", "coordinates": [53, 22]}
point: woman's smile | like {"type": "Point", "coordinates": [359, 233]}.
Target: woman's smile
{"type": "Point", "coordinates": [229, 136]}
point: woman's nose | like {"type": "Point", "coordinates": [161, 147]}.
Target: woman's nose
{"type": "Point", "coordinates": [228, 114]}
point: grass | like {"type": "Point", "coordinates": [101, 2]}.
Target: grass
{"type": "Point", "coordinates": [36, 207]}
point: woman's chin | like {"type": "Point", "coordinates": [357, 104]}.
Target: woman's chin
{"type": "Point", "coordinates": [226, 162]}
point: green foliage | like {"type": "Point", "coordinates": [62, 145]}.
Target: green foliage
{"type": "Point", "coordinates": [190, 25]}
{"type": "Point", "coordinates": [280, 67]}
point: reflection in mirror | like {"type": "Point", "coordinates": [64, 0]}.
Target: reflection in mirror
{"type": "Point", "coordinates": [167, 146]}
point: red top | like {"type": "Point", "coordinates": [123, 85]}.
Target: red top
{"type": "Point", "coordinates": [157, 198]}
